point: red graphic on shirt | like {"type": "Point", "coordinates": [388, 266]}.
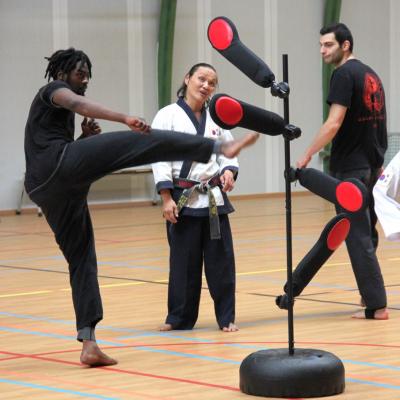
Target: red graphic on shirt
{"type": "Point", "coordinates": [373, 93]}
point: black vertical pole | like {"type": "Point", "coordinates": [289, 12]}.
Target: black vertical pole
{"type": "Point", "coordinates": [288, 213]}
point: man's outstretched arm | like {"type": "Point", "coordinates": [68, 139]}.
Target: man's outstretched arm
{"type": "Point", "coordinates": [66, 98]}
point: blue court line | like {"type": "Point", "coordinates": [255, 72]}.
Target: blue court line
{"type": "Point", "coordinates": [44, 334]}
{"type": "Point", "coordinates": [165, 334]}
{"type": "Point", "coordinates": [34, 318]}
{"type": "Point", "coordinates": [55, 336]}
{"type": "Point", "coordinates": [374, 365]}
{"type": "Point", "coordinates": [192, 339]}
{"type": "Point", "coordinates": [136, 333]}
{"type": "Point", "coordinates": [383, 385]}
{"type": "Point", "coordinates": [187, 355]}
{"type": "Point", "coordinates": [58, 390]}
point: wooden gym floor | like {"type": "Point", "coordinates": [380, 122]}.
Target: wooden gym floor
{"type": "Point", "coordinates": [39, 356]}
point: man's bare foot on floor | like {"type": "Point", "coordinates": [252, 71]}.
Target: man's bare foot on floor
{"type": "Point", "coordinates": [165, 327]}
{"type": "Point", "coordinates": [93, 357]}
{"type": "Point", "coordinates": [381, 314]}
{"type": "Point", "coordinates": [231, 328]}
{"type": "Point", "coordinates": [233, 148]}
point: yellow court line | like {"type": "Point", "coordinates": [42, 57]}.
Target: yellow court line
{"type": "Point", "coordinates": [131, 283]}
{"type": "Point", "coordinates": [26, 293]}
{"type": "Point", "coordinates": [112, 285]}
{"type": "Point", "coordinates": [284, 269]}
{"type": "Point", "coordinates": [121, 284]}
{"type": "Point", "coordinates": [336, 264]}
{"type": "Point", "coordinates": [261, 272]}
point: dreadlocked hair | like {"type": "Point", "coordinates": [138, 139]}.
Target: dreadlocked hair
{"type": "Point", "coordinates": [65, 61]}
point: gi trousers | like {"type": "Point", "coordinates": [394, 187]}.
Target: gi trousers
{"type": "Point", "coordinates": [362, 242]}
{"type": "Point", "coordinates": [190, 246]}
{"type": "Point", "coordinates": [63, 198]}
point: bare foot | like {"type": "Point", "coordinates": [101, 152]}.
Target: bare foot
{"type": "Point", "coordinates": [234, 147]}
{"type": "Point", "coordinates": [380, 314]}
{"type": "Point", "coordinates": [231, 328]}
{"type": "Point", "coordinates": [165, 327]}
{"type": "Point", "coordinates": [93, 357]}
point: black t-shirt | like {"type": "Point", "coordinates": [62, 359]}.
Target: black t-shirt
{"type": "Point", "coordinates": [48, 129]}
{"type": "Point", "coordinates": [361, 141]}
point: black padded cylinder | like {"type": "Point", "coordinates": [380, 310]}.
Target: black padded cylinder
{"type": "Point", "coordinates": [306, 373]}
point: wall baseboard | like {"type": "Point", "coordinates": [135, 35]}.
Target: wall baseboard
{"type": "Point", "coordinates": [144, 203]}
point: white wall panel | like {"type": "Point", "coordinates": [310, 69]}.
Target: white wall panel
{"type": "Point", "coordinates": [120, 36]}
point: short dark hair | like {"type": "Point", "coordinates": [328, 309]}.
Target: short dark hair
{"type": "Point", "coordinates": [181, 92]}
{"type": "Point", "coordinates": [341, 31]}
{"type": "Point", "coordinates": [65, 61]}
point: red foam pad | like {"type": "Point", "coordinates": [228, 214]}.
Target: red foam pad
{"type": "Point", "coordinates": [349, 196]}
{"type": "Point", "coordinates": [220, 34]}
{"type": "Point", "coordinates": [228, 110]}
{"type": "Point", "coordinates": [337, 234]}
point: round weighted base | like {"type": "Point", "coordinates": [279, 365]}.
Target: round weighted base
{"type": "Point", "coordinates": [306, 373]}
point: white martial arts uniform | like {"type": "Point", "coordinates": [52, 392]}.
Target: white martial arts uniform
{"type": "Point", "coordinates": [387, 199]}
{"type": "Point", "coordinates": [174, 117]}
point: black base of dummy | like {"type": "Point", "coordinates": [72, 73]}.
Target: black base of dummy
{"type": "Point", "coordinates": [306, 373]}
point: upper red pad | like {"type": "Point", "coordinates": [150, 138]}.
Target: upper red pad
{"type": "Point", "coordinates": [229, 110]}
{"type": "Point", "coordinates": [349, 196]}
{"type": "Point", "coordinates": [220, 34]}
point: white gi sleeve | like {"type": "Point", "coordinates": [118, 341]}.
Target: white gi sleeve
{"type": "Point", "coordinates": [387, 199]}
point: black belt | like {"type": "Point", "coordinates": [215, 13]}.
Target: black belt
{"type": "Point", "coordinates": [183, 183]}
{"type": "Point", "coordinates": [189, 186]}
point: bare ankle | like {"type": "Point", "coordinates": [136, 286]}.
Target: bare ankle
{"type": "Point", "coordinates": [165, 327]}
{"type": "Point", "coordinates": [93, 357]}
{"type": "Point", "coordinates": [230, 328]}
{"type": "Point", "coordinates": [233, 148]}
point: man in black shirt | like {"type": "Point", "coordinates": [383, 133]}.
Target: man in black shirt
{"type": "Point", "coordinates": [60, 170]}
{"type": "Point", "coordinates": [356, 125]}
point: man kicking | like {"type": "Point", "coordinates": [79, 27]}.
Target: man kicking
{"type": "Point", "coordinates": [60, 171]}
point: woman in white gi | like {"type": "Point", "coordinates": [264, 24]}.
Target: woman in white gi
{"type": "Point", "coordinates": [197, 231]}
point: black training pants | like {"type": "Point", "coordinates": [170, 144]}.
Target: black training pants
{"type": "Point", "coordinates": [63, 198]}
{"type": "Point", "coordinates": [362, 242]}
{"type": "Point", "coordinates": [190, 246]}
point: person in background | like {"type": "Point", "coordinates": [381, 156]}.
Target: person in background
{"type": "Point", "coordinates": [356, 125]}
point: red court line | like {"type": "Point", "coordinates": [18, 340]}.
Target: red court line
{"type": "Point", "coordinates": [128, 372]}
{"type": "Point", "coordinates": [182, 380]}
{"type": "Point", "coordinates": [218, 343]}
{"type": "Point", "coordinates": [10, 358]}
{"type": "Point", "coordinates": [80, 384]}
